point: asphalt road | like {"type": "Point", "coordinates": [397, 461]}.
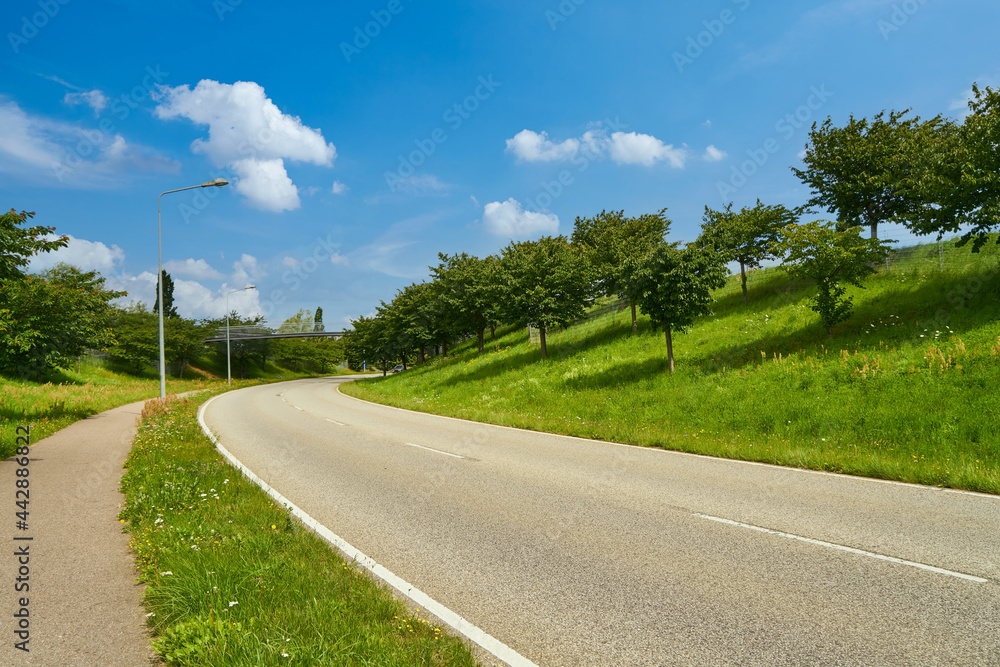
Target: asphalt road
{"type": "Point", "coordinates": [574, 552]}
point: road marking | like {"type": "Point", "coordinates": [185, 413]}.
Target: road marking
{"type": "Point", "coordinates": [334, 421]}
{"type": "Point", "coordinates": [840, 547]}
{"type": "Point", "coordinates": [297, 407]}
{"type": "Point", "coordinates": [450, 618]}
{"type": "Point", "coordinates": [436, 451]}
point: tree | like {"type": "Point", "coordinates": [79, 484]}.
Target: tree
{"type": "Point", "coordinates": [618, 247]}
{"type": "Point", "coordinates": [168, 296]}
{"type": "Point", "coordinates": [747, 237]}
{"type": "Point", "coordinates": [46, 320]}
{"type": "Point", "coordinates": [469, 286]}
{"type": "Point", "coordinates": [184, 341]}
{"type": "Point", "coordinates": [18, 245]}
{"type": "Point", "coordinates": [318, 320]}
{"type": "Point", "coordinates": [676, 287]}
{"type": "Point", "coordinates": [135, 338]}
{"type": "Point", "coordinates": [549, 283]}
{"type": "Point", "coordinates": [860, 171]}
{"type": "Point", "coordinates": [368, 343]}
{"type": "Point", "coordinates": [818, 251]}
{"type": "Point", "coordinates": [956, 181]}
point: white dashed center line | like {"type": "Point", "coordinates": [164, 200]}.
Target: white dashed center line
{"type": "Point", "coordinates": [436, 451]}
{"type": "Point", "coordinates": [852, 550]}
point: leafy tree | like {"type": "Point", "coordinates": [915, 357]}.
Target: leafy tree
{"type": "Point", "coordinates": [18, 245]}
{"type": "Point", "coordinates": [676, 287]}
{"type": "Point", "coordinates": [241, 350]}
{"type": "Point", "coordinates": [748, 237]}
{"type": "Point", "coordinates": [470, 291]}
{"type": "Point", "coordinates": [48, 319]}
{"type": "Point", "coordinates": [136, 342]}
{"type": "Point", "coordinates": [168, 296]}
{"type": "Point", "coordinates": [367, 342]}
{"type": "Point", "coordinates": [818, 251]}
{"type": "Point", "coordinates": [956, 180]}
{"type": "Point", "coordinates": [184, 341]}
{"type": "Point", "coordinates": [318, 319]}
{"type": "Point", "coordinates": [618, 248]}
{"type": "Point", "coordinates": [860, 171]}
{"type": "Point", "coordinates": [549, 283]}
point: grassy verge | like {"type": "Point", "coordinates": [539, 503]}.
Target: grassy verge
{"type": "Point", "coordinates": [232, 579]}
{"type": "Point", "coordinates": [906, 390]}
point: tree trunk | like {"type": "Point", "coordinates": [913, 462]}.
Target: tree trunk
{"type": "Point", "coordinates": [422, 355]}
{"type": "Point", "coordinates": [444, 350]}
{"type": "Point", "coordinates": [670, 351]}
{"type": "Point", "coordinates": [743, 278]}
{"type": "Point", "coordinates": [874, 230]}
{"type": "Point", "coordinates": [541, 334]}
{"type": "Point", "coordinates": [635, 326]}
{"type": "Point", "coordinates": [481, 335]}
{"type": "Point", "coordinates": [493, 332]}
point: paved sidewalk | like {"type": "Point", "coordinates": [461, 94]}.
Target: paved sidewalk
{"type": "Point", "coordinates": [84, 604]}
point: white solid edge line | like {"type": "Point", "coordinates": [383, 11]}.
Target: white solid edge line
{"type": "Point", "coordinates": [334, 421]}
{"type": "Point", "coordinates": [436, 451]}
{"type": "Point", "coordinates": [456, 622]}
{"type": "Point", "coordinates": [840, 547]}
{"type": "Point", "coordinates": [719, 459]}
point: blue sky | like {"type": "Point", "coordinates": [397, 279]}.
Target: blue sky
{"type": "Point", "coordinates": [363, 138]}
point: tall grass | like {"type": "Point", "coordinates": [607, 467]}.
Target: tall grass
{"type": "Point", "coordinates": [233, 580]}
{"type": "Point", "coordinates": [906, 390]}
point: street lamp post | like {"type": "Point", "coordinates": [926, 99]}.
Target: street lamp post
{"type": "Point", "coordinates": [229, 374]}
{"type": "Point", "coordinates": [215, 183]}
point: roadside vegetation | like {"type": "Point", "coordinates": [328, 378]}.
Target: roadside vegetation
{"type": "Point", "coordinates": [905, 390]}
{"type": "Point", "coordinates": [233, 579]}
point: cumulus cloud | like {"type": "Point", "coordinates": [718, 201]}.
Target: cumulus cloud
{"type": "Point", "coordinates": [713, 154]}
{"type": "Point", "coordinates": [248, 132]}
{"type": "Point", "coordinates": [49, 152]}
{"type": "Point", "coordinates": [94, 99]}
{"type": "Point", "coordinates": [531, 146]}
{"type": "Point", "coordinates": [509, 219]}
{"type": "Point", "coordinates": [622, 147]}
{"type": "Point", "coordinates": [246, 270]}
{"type": "Point", "coordinates": [86, 255]}
{"type": "Point", "coordinates": [198, 269]}
{"type": "Point", "coordinates": [644, 149]}
{"type": "Point", "coordinates": [337, 259]}
{"type": "Point", "coordinates": [339, 188]}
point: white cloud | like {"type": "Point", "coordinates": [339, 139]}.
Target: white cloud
{"type": "Point", "coordinates": [52, 152]}
{"type": "Point", "coordinates": [95, 99]}
{"type": "Point", "coordinates": [713, 154]}
{"type": "Point", "coordinates": [531, 146]}
{"type": "Point", "coordinates": [339, 188]}
{"type": "Point", "coordinates": [247, 131]}
{"type": "Point", "coordinates": [623, 148]}
{"type": "Point", "coordinates": [192, 268]}
{"type": "Point", "coordinates": [509, 219]}
{"type": "Point", "coordinates": [289, 262]}
{"type": "Point", "coordinates": [266, 184]}
{"type": "Point", "coordinates": [337, 259]}
{"type": "Point", "coordinates": [246, 270]}
{"type": "Point", "coordinates": [86, 255]}
{"type": "Point", "coordinates": [644, 149]}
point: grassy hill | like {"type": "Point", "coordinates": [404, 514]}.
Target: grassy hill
{"type": "Point", "coordinates": [906, 390]}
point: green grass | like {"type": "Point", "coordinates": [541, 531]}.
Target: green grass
{"type": "Point", "coordinates": [906, 390]}
{"type": "Point", "coordinates": [232, 579]}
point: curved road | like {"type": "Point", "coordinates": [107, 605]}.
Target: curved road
{"type": "Point", "coordinates": [574, 552]}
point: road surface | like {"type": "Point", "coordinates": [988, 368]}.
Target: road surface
{"type": "Point", "coordinates": [574, 552]}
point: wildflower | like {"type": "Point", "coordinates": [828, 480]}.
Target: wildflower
{"type": "Point", "coordinates": [234, 602]}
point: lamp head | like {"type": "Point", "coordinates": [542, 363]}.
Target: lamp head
{"type": "Point", "coordinates": [214, 183]}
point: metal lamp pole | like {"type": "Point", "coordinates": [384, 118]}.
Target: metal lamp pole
{"type": "Point", "coordinates": [216, 183]}
{"type": "Point", "coordinates": [229, 374]}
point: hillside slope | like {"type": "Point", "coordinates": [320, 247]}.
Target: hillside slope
{"type": "Point", "coordinates": [906, 389]}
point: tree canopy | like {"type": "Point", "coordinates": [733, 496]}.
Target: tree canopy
{"type": "Point", "coordinates": [19, 244]}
